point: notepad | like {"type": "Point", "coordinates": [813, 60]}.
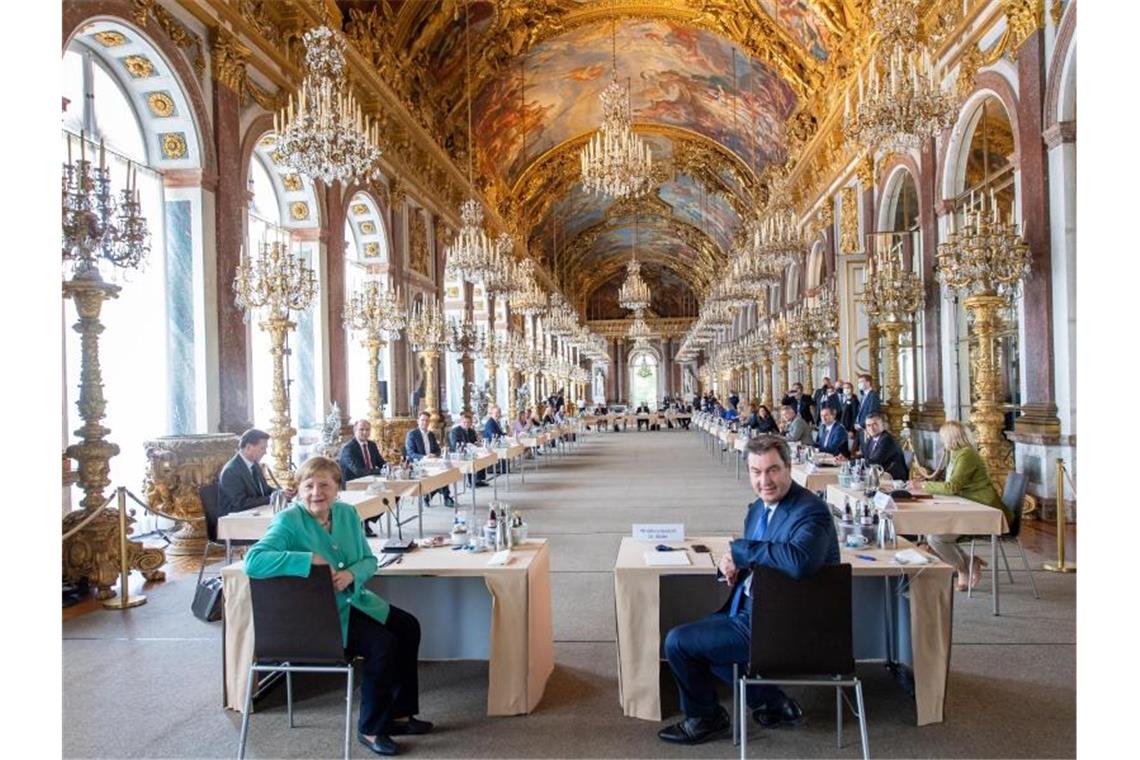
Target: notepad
{"type": "Point", "coordinates": [666, 559]}
{"type": "Point", "coordinates": [500, 558]}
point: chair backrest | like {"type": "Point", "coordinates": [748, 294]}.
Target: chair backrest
{"type": "Point", "coordinates": [1013, 497]}
{"type": "Point", "coordinates": [801, 627]}
{"type": "Point", "coordinates": [295, 619]}
{"type": "Point", "coordinates": [208, 495]}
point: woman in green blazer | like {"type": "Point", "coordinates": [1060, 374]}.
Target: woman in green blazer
{"type": "Point", "coordinates": [322, 531]}
{"type": "Point", "coordinates": [966, 476]}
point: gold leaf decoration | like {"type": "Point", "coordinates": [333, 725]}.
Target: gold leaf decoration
{"type": "Point", "coordinates": [109, 38]}
{"type": "Point", "coordinates": [292, 182]}
{"type": "Point", "coordinates": [138, 66]}
{"type": "Point", "coordinates": [299, 210]}
{"type": "Point", "coordinates": [160, 104]}
{"type": "Point", "coordinates": [173, 144]}
{"type": "Point", "coordinates": [372, 249]}
{"type": "Point", "coordinates": [359, 209]}
{"type": "Point", "coordinates": [368, 228]}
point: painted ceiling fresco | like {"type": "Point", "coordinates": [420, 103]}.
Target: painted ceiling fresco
{"type": "Point", "coordinates": [801, 22]}
{"type": "Point", "coordinates": [678, 76]}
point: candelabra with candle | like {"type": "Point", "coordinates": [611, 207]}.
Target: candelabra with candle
{"type": "Point", "coordinates": [275, 284]}
{"type": "Point", "coordinates": [892, 296]}
{"type": "Point", "coordinates": [427, 334]}
{"type": "Point", "coordinates": [98, 227]}
{"type": "Point", "coordinates": [803, 337]}
{"type": "Point", "coordinates": [779, 341]}
{"type": "Point", "coordinates": [985, 261]}
{"type": "Point", "coordinates": [379, 315]}
{"type": "Point", "coordinates": [467, 340]}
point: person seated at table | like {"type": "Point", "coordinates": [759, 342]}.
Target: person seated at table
{"type": "Point", "coordinates": [966, 476]}
{"type": "Point", "coordinates": [752, 421]}
{"type": "Point", "coordinates": [882, 449]}
{"type": "Point", "coordinates": [734, 400]}
{"type": "Point", "coordinates": [729, 413]}
{"type": "Point", "coordinates": [686, 410]}
{"type": "Point", "coordinates": [642, 408]}
{"type": "Point", "coordinates": [493, 429]}
{"type": "Point", "coordinates": [600, 412]}
{"type": "Point", "coordinates": [832, 437]}
{"type": "Point", "coordinates": [319, 530]}
{"type": "Point", "coordinates": [359, 457]}
{"type": "Point", "coordinates": [418, 444]}
{"type": "Point", "coordinates": [787, 528]}
{"type": "Point", "coordinates": [241, 484]}
{"type": "Point", "coordinates": [767, 423]}
{"type": "Point", "coordinates": [464, 434]}
{"type": "Point", "coordinates": [795, 428]}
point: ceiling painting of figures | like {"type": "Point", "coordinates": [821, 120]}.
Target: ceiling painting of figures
{"type": "Point", "coordinates": [803, 23]}
{"type": "Point", "coordinates": [678, 76]}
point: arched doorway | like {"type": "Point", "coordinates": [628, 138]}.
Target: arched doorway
{"type": "Point", "coordinates": [644, 377]}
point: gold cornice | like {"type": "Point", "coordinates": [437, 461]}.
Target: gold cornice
{"type": "Point", "coordinates": [663, 327]}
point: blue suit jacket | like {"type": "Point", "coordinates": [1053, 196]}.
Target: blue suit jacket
{"type": "Point", "coordinates": [799, 539]}
{"type": "Point", "coordinates": [414, 444]}
{"type": "Point", "coordinates": [870, 403]}
{"type": "Point", "coordinates": [836, 443]}
{"type": "Point", "coordinates": [491, 428]}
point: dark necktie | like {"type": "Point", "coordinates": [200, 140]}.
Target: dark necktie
{"type": "Point", "coordinates": [367, 459]}
{"type": "Point", "coordinates": [253, 470]}
{"type": "Point", "coordinates": [738, 594]}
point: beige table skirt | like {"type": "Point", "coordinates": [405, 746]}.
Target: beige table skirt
{"type": "Point", "coordinates": [521, 635]}
{"type": "Point", "coordinates": [936, 515]}
{"type": "Point", "coordinates": [636, 589]}
{"type": "Point", "coordinates": [815, 481]}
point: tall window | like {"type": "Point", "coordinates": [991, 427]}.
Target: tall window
{"type": "Point", "coordinates": [147, 396]}
{"type": "Point", "coordinates": [365, 249]}
{"type": "Point", "coordinates": [643, 378]}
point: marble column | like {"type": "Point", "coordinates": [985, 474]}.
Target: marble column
{"type": "Point", "coordinates": [931, 408]}
{"type": "Point", "coordinates": [333, 235]}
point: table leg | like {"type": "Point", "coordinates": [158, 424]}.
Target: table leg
{"type": "Point", "coordinates": [495, 486]}
{"type": "Point", "coordinates": [994, 569]}
{"type": "Point", "coordinates": [471, 488]}
{"type": "Point", "coordinates": [229, 552]}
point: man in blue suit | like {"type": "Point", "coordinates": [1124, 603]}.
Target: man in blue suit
{"type": "Point", "coordinates": [493, 429]}
{"type": "Point", "coordinates": [832, 437]}
{"type": "Point", "coordinates": [419, 443]}
{"type": "Point", "coordinates": [868, 404]}
{"type": "Point", "coordinates": [788, 528]}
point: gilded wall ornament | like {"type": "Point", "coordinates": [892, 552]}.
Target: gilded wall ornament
{"type": "Point", "coordinates": [229, 59]}
{"type": "Point", "coordinates": [359, 209]}
{"type": "Point", "coordinates": [109, 38]}
{"type": "Point", "coordinates": [849, 222]}
{"type": "Point", "coordinates": [367, 228]}
{"type": "Point", "coordinates": [419, 256]}
{"type": "Point", "coordinates": [138, 66]}
{"type": "Point", "coordinates": [160, 104]}
{"type": "Point", "coordinates": [372, 249]}
{"type": "Point", "coordinates": [291, 182]}
{"type": "Point", "coordinates": [299, 211]}
{"type": "Point", "coordinates": [173, 144]}
{"type": "Point", "coordinates": [182, 37]}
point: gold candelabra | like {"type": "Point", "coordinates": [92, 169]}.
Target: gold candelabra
{"type": "Point", "coordinates": [426, 332]}
{"type": "Point", "coordinates": [892, 296]}
{"type": "Point", "coordinates": [779, 341]}
{"type": "Point", "coordinates": [276, 284]}
{"type": "Point", "coordinates": [467, 340]}
{"type": "Point", "coordinates": [379, 314]}
{"type": "Point", "coordinates": [986, 261]}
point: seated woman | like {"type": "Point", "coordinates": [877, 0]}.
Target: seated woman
{"type": "Point", "coordinates": [766, 423]}
{"type": "Point", "coordinates": [521, 423]}
{"type": "Point", "coordinates": [323, 531]}
{"type": "Point", "coordinates": [966, 476]}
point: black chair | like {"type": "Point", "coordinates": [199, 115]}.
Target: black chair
{"type": "Point", "coordinates": [296, 629]}
{"type": "Point", "coordinates": [801, 636]}
{"type": "Point", "coordinates": [208, 495]}
{"type": "Point", "coordinates": [1014, 499]}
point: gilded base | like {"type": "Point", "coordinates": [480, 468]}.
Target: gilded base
{"type": "Point", "coordinates": [92, 554]}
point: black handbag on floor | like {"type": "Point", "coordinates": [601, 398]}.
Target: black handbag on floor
{"type": "Point", "coordinates": [207, 604]}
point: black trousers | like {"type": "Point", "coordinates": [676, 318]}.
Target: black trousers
{"type": "Point", "coordinates": [390, 686]}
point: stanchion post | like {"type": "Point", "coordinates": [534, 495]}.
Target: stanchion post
{"type": "Point", "coordinates": [1059, 566]}
{"type": "Point", "coordinates": [124, 600]}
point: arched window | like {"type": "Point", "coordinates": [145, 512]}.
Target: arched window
{"type": "Point", "coordinates": [900, 217]}
{"type": "Point", "coordinates": [644, 378]}
{"type": "Point", "coordinates": [365, 250]}
{"type": "Point", "coordinates": [120, 92]}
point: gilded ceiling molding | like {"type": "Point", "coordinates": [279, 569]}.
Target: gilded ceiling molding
{"type": "Point", "coordinates": [182, 37]}
{"type": "Point", "coordinates": [664, 327]}
{"type": "Point", "coordinates": [229, 57]}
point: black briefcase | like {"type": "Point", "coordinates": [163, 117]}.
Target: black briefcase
{"type": "Point", "coordinates": [207, 604]}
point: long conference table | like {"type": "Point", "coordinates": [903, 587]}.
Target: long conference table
{"type": "Point", "coordinates": [901, 614]}
{"type": "Point", "coordinates": [467, 610]}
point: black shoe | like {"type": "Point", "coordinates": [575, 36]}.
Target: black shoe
{"type": "Point", "coordinates": [696, 730]}
{"type": "Point", "coordinates": [481, 484]}
{"type": "Point", "coordinates": [449, 502]}
{"type": "Point", "coordinates": [368, 530]}
{"type": "Point", "coordinates": [410, 727]}
{"type": "Point", "coordinates": [783, 712]}
{"type": "Point", "coordinates": [381, 745]}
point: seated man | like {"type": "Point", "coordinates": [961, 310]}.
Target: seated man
{"type": "Point", "coordinates": [461, 435]}
{"type": "Point", "coordinates": [419, 443]}
{"type": "Point", "coordinates": [642, 408]}
{"type": "Point", "coordinates": [795, 428]}
{"type": "Point", "coordinates": [787, 528]}
{"type": "Point", "coordinates": [685, 409]}
{"type": "Point", "coordinates": [881, 448]}
{"type": "Point", "coordinates": [493, 429]}
{"type": "Point", "coordinates": [241, 484]}
{"type": "Point", "coordinates": [832, 437]}
{"type": "Point", "coordinates": [359, 457]}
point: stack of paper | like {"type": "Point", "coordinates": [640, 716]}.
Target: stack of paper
{"type": "Point", "coordinates": [666, 559]}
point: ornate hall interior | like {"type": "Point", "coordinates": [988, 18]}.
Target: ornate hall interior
{"type": "Point", "coordinates": [637, 221]}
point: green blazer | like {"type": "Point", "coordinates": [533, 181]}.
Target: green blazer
{"type": "Point", "coordinates": [968, 479]}
{"type": "Point", "coordinates": [293, 537]}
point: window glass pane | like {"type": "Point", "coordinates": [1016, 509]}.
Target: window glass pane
{"type": "Point", "coordinates": [73, 91]}
{"type": "Point", "coordinates": [114, 117]}
{"type": "Point", "coordinates": [264, 195]}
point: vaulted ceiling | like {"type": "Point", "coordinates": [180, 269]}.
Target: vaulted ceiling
{"type": "Point", "coordinates": [713, 84]}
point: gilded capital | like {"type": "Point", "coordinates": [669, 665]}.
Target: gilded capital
{"type": "Point", "coordinates": [229, 59]}
{"type": "Point", "coordinates": [865, 171]}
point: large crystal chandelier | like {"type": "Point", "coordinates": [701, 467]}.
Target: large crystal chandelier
{"type": "Point", "coordinates": [530, 299]}
{"type": "Point", "coordinates": [777, 237]}
{"type": "Point", "coordinates": [324, 133]}
{"type": "Point", "coordinates": [634, 293]}
{"type": "Point", "coordinates": [905, 103]}
{"type": "Point", "coordinates": [469, 255]}
{"type": "Point", "coordinates": [616, 162]}
{"type": "Point", "coordinates": [501, 280]}
{"type": "Point", "coordinates": [638, 330]}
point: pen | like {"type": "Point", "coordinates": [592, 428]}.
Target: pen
{"type": "Point", "coordinates": [867, 557]}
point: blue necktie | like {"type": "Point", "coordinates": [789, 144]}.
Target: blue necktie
{"type": "Point", "coordinates": [738, 594]}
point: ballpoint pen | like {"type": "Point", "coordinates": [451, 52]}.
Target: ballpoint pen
{"type": "Point", "coordinates": [867, 557]}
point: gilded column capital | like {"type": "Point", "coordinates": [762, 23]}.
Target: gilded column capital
{"type": "Point", "coordinates": [229, 59]}
{"type": "Point", "coordinates": [849, 222]}
{"type": "Point", "coordinates": [865, 171]}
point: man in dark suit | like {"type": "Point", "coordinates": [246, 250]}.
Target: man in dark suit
{"type": "Point", "coordinates": [832, 437]}
{"type": "Point", "coordinates": [848, 407]}
{"type": "Point", "coordinates": [820, 394]}
{"type": "Point", "coordinates": [788, 528]}
{"type": "Point", "coordinates": [642, 408]}
{"type": "Point", "coordinates": [419, 443]}
{"type": "Point", "coordinates": [242, 485]}
{"type": "Point", "coordinates": [493, 429]}
{"type": "Point", "coordinates": [882, 449]}
{"type": "Point", "coordinates": [801, 402]}
{"type": "Point", "coordinates": [868, 404]}
{"type": "Point", "coordinates": [461, 435]}
{"type": "Point", "coordinates": [359, 457]}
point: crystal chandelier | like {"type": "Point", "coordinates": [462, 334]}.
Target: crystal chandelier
{"type": "Point", "coordinates": [465, 338]}
{"type": "Point", "coordinates": [638, 330]}
{"type": "Point", "coordinates": [92, 229]}
{"type": "Point", "coordinates": [987, 256]}
{"type": "Point", "coordinates": [907, 104]}
{"type": "Point", "coordinates": [376, 312]}
{"type": "Point", "coordinates": [634, 293]}
{"type": "Point", "coordinates": [776, 235]}
{"type": "Point", "coordinates": [616, 163]}
{"type": "Point", "coordinates": [326, 135]}
{"type": "Point", "coordinates": [426, 331]}
{"type": "Point", "coordinates": [530, 300]}
{"type": "Point", "coordinates": [501, 280]}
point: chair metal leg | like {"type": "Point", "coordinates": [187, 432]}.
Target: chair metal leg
{"type": "Point", "coordinates": [741, 717]}
{"type": "Point", "coordinates": [970, 589]}
{"type": "Point", "coordinates": [245, 714]}
{"type": "Point", "coordinates": [862, 719]}
{"type": "Point", "coordinates": [1008, 572]}
{"type": "Point", "coordinates": [1028, 571]}
{"type": "Point", "coordinates": [289, 695]}
{"type": "Point", "coordinates": [735, 703]}
{"type": "Point", "coordinates": [993, 562]}
{"type": "Point", "coordinates": [839, 717]}
{"type": "Point", "coordinates": [348, 712]}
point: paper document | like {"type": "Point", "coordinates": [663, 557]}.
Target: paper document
{"type": "Point", "coordinates": [666, 559]}
{"type": "Point", "coordinates": [500, 558]}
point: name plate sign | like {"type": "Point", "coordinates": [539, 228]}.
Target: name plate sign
{"type": "Point", "coordinates": [659, 531]}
